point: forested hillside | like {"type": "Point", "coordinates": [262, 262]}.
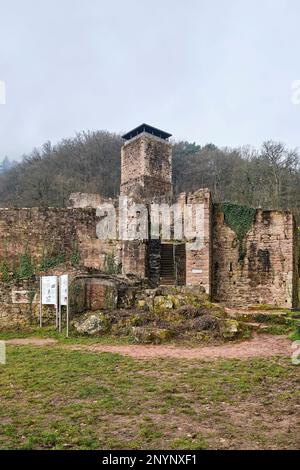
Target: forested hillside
{"type": "Point", "coordinates": [6, 164]}
{"type": "Point", "coordinates": [90, 162]}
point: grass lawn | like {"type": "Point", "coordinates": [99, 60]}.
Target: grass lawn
{"type": "Point", "coordinates": [54, 398]}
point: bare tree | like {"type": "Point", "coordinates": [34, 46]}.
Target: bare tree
{"type": "Point", "coordinates": [280, 160]}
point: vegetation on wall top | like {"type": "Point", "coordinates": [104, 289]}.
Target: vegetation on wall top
{"type": "Point", "coordinates": [240, 219]}
{"type": "Point", "coordinates": [22, 266]}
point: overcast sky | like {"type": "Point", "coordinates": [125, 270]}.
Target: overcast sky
{"type": "Point", "coordinates": [205, 70]}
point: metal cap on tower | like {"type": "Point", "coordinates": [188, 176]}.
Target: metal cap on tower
{"type": "Point", "coordinates": [149, 129]}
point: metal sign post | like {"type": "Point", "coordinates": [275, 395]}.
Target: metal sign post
{"type": "Point", "coordinates": [64, 298]}
{"type": "Point", "coordinates": [56, 316]}
{"type": "Point", "coordinates": [59, 318]}
{"type": "Point", "coordinates": [41, 304]}
{"type": "Point", "coordinates": [67, 334]}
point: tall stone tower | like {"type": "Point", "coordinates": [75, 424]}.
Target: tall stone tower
{"type": "Point", "coordinates": [146, 163]}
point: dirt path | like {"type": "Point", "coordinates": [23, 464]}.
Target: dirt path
{"type": "Point", "coordinates": [32, 342]}
{"type": "Point", "coordinates": [258, 346]}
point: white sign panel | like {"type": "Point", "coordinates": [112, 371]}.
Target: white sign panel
{"type": "Point", "coordinates": [63, 289]}
{"type": "Point", "coordinates": [197, 271]}
{"type": "Point", "coordinates": [49, 290]}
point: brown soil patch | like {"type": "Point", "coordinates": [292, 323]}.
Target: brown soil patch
{"type": "Point", "coordinates": [258, 346]}
{"type": "Point", "coordinates": [32, 342]}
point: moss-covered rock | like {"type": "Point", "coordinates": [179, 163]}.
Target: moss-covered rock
{"type": "Point", "coordinates": [141, 304]}
{"type": "Point", "coordinates": [167, 290]}
{"type": "Point", "coordinates": [150, 335]}
{"type": "Point", "coordinates": [161, 304]}
{"type": "Point", "coordinates": [198, 291]}
{"type": "Point", "coordinates": [230, 329]}
{"type": "Point", "coordinates": [92, 324]}
{"type": "Point", "coordinates": [179, 300]}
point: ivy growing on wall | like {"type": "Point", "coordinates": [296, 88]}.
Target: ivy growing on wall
{"type": "Point", "coordinates": [30, 297]}
{"type": "Point", "coordinates": [75, 289]}
{"type": "Point", "coordinates": [111, 265]}
{"type": "Point", "coordinates": [240, 219]}
{"type": "Point", "coordinates": [75, 257]}
{"type": "Point", "coordinates": [23, 267]}
{"type": "Point", "coordinates": [5, 277]}
{"type": "Point", "coordinates": [26, 268]}
{"type": "Point", "coordinates": [15, 269]}
{"type": "Point", "coordinates": [52, 261]}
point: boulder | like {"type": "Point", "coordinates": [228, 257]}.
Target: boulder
{"type": "Point", "coordinates": [141, 304]}
{"type": "Point", "coordinates": [149, 335]}
{"type": "Point", "coordinates": [196, 290]}
{"type": "Point", "coordinates": [230, 329]}
{"type": "Point", "coordinates": [162, 304]}
{"type": "Point", "coordinates": [168, 290]}
{"type": "Point", "coordinates": [178, 300]}
{"type": "Point", "coordinates": [92, 324]}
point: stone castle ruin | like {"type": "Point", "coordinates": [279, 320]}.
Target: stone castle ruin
{"type": "Point", "coordinates": [246, 256]}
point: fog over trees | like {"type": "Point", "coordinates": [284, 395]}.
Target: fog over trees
{"type": "Point", "coordinates": [268, 177]}
{"type": "Point", "coordinates": [6, 164]}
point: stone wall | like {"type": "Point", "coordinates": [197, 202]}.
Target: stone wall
{"type": "Point", "coordinates": [134, 257]}
{"type": "Point", "coordinates": [267, 274]}
{"type": "Point", "coordinates": [84, 200]}
{"type": "Point", "coordinates": [92, 293]}
{"type": "Point", "coordinates": [19, 304]}
{"type": "Point", "coordinates": [20, 300]}
{"type": "Point", "coordinates": [146, 167]}
{"type": "Point", "coordinates": [51, 233]}
{"type": "Point", "coordinates": [199, 260]}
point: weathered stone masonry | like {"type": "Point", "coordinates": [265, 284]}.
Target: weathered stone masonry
{"type": "Point", "coordinates": [199, 262]}
{"type": "Point", "coordinates": [45, 233]}
{"type": "Point", "coordinates": [146, 167]}
{"type": "Point", "coordinates": [266, 274]}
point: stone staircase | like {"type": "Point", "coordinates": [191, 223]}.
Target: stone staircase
{"type": "Point", "coordinates": [263, 320]}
